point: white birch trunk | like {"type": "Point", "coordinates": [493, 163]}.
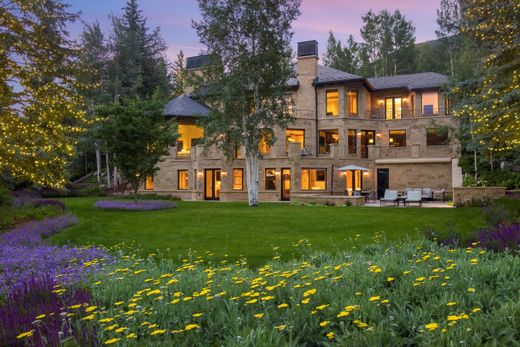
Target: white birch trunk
{"type": "Point", "coordinates": [116, 178]}
{"type": "Point", "coordinates": [98, 164]}
{"type": "Point", "coordinates": [252, 179]}
{"type": "Point", "coordinates": [108, 170]}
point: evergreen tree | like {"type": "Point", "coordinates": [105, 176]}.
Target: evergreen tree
{"type": "Point", "coordinates": [449, 21]}
{"type": "Point", "coordinates": [344, 58]}
{"type": "Point", "coordinates": [249, 44]}
{"type": "Point", "coordinates": [41, 99]}
{"type": "Point", "coordinates": [139, 65]}
{"type": "Point", "coordinates": [180, 76]}
{"type": "Point", "coordinates": [403, 41]}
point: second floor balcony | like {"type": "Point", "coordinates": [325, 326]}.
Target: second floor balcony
{"type": "Point", "coordinates": [405, 113]}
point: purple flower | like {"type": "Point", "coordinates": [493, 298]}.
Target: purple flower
{"type": "Point", "coordinates": [501, 237]}
{"type": "Point", "coordinates": [144, 205]}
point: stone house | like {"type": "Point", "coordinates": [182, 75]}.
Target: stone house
{"type": "Point", "coordinates": [395, 127]}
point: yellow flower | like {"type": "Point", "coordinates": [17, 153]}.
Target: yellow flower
{"type": "Point", "coordinates": [474, 261]}
{"type": "Point", "coordinates": [90, 309]}
{"type": "Point", "coordinates": [111, 341]}
{"type": "Point", "coordinates": [431, 326]}
{"type": "Point", "coordinates": [174, 301]}
{"type": "Point", "coordinates": [25, 334]}
{"type": "Point", "coordinates": [191, 327]}
{"type": "Point", "coordinates": [120, 330]}
{"type": "Point", "coordinates": [390, 279]}
{"type": "Point", "coordinates": [131, 336]}
{"type": "Point", "coordinates": [177, 331]}
{"type": "Point", "coordinates": [419, 279]}
{"type": "Point", "coordinates": [75, 306]}
{"type": "Point", "coordinates": [322, 307]}
{"type": "Point", "coordinates": [284, 305]}
{"type": "Point", "coordinates": [119, 303]}
{"type": "Point", "coordinates": [453, 318]}
{"type": "Point", "coordinates": [41, 316]}
{"type": "Point", "coordinates": [306, 301]}
{"type": "Point", "coordinates": [406, 272]}
{"type": "Point", "coordinates": [451, 303]}
{"type": "Point", "coordinates": [197, 314]}
{"type": "Point", "coordinates": [281, 327]}
{"type": "Point", "coordinates": [324, 323]}
{"type": "Point", "coordinates": [343, 314]}
{"type": "Point", "coordinates": [105, 320]}
{"type": "Point", "coordinates": [476, 309]}
{"type": "Point", "coordinates": [252, 301]}
{"type": "Point", "coordinates": [188, 298]}
{"type": "Point", "coordinates": [158, 332]}
{"type": "Point", "coordinates": [266, 298]}
{"type": "Point", "coordinates": [374, 298]}
{"type": "Point", "coordinates": [153, 292]}
{"type": "Point", "coordinates": [471, 290]}
{"type": "Point", "coordinates": [89, 317]}
{"type": "Point", "coordinates": [386, 301]}
{"type": "Point", "coordinates": [330, 335]}
{"type": "Point", "coordinates": [259, 315]}
{"type": "Point", "coordinates": [309, 292]}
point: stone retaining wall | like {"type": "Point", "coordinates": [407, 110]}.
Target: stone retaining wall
{"type": "Point", "coordinates": [462, 195]}
{"type": "Point", "coordinates": [329, 199]}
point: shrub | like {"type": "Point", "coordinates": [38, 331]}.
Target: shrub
{"type": "Point", "coordinates": [501, 237]}
{"type": "Point", "coordinates": [502, 211]}
{"type": "Point", "coordinates": [5, 198]}
{"type": "Point", "coordinates": [147, 205]}
{"type": "Point", "coordinates": [151, 196]}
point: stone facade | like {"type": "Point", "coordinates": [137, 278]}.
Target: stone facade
{"type": "Point", "coordinates": [462, 195]}
{"type": "Point", "coordinates": [417, 164]}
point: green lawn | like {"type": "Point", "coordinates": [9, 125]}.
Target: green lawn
{"type": "Point", "coordinates": [234, 229]}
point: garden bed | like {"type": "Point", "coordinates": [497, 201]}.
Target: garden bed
{"type": "Point", "coordinates": [127, 205]}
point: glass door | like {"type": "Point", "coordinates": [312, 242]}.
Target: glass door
{"type": "Point", "coordinates": [368, 138]}
{"type": "Point", "coordinates": [286, 184]}
{"type": "Point", "coordinates": [212, 184]}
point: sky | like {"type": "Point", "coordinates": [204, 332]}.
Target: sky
{"type": "Point", "coordinates": [318, 17]}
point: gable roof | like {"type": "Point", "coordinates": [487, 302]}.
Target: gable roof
{"type": "Point", "coordinates": [185, 106]}
{"type": "Point", "coordinates": [422, 80]}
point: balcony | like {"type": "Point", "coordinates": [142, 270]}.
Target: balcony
{"type": "Point", "coordinates": [405, 113]}
{"type": "Point", "coordinates": [414, 151]}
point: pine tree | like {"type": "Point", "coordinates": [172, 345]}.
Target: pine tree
{"type": "Point", "coordinates": [41, 99]}
{"type": "Point", "coordinates": [249, 46]}
{"type": "Point", "coordinates": [345, 58]}
{"type": "Point", "coordinates": [180, 76]}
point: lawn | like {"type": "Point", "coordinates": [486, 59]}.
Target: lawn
{"type": "Point", "coordinates": [235, 230]}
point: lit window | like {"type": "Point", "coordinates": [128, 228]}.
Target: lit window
{"type": "Point", "coordinates": [270, 179]}
{"type": "Point", "coordinates": [393, 108]}
{"type": "Point", "coordinates": [238, 179]}
{"type": "Point", "coordinates": [148, 184]}
{"type": "Point", "coordinates": [352, 102]}
{"type": "Point", "coordinates": [294, 135]}
{"type": "Point", "coordinates": [430, 103]}
{"type": "Point", "coordinates": [182, 179]}
{"type": "Point", "coordinates": [352, 141]}
{"type": "Point", "coordinates": [437, 137]}
{"type": "Point", "coordinates": [353, 181]}
{"type": "Point", "coordinates": [332, 102]}
{"type": "Point", "coordinates": [328, 137]}
{"type": "Point", "coordinates": [447, 104]}
{"type": "Point", "coordinates": [314, 179]}
{"type": "Point", "coordinates": [189, 135]}
{"type": "Point", "coordinates": [397, 138]}
{"type": "Point", "coordinates": [264, 147]}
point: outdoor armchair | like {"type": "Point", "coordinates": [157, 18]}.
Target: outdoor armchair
{"type": "Point", "coordinates": [390, 196]}
{"type": "Point", "coordinates": [414, 196]}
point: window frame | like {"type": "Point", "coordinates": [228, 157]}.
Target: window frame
{"type": "Point", "coordinates": [393, 115]}
{"type": "Point", "coordinates": [447, 140]}
{"type": "Point", "coordinates": [391, 143]}
{"type": "Point", "coordinates": [294, 129]}
{"type": "Point", "coordinates": [357, 102]}
{"type": "Point", "coordinates": [325, 144]}
{"type": "Point", "coordinates": [147, 182]}
{"type": "Point", "coordinates": [265, 179]}
{"type": "Point", "coordinates": [179, 179]}
{"type": "Point", "coordinates": [241, 179]}
{"type": "Point", "coordinates": [327, 102]}
{"type": "Point", "coordinates": [435, 111]}
{"type": "Point", "coordinates": [308, 188]}
{"type": "Point", "coordinates": [349, 136]}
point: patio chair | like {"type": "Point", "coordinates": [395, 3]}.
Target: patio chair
{"type": "Point", "coordinates": [439, 194]}
{"type": "Point", "coordinates": [427, 194]}
{"type": "Point", "coordinates": [414, 196]}
{"type": "Point", "coordinates": [390, 196]}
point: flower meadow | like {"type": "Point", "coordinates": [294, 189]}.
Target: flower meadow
{"type": "Point", "coordinates": [143, 205]}
{"type": "Point", "coordinates": [413, 293]}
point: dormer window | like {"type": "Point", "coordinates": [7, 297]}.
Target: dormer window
{"type": "Point", "coordinates": [352, 102]}
{"type": "Point", "coordinates": [430, 103]}
{"type": "Point", "coordinates": [332, 102]}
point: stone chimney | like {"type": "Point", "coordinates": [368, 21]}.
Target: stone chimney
{"type": "Point", "coordinates": [307, 71]}
{"type": "Point", "coordinates": [194, 66]}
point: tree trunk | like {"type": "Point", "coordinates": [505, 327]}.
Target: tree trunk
{"type": "Point", "coordinates": [98, 164]}
{"type": "Point", "coordinates": [116, 180]}
{"type": "Point", "coordinates": [136, 188]}
{"type": "Point", "coordinates": [252, 179]}
{"type": "Point", "coordinates": [108, 170]}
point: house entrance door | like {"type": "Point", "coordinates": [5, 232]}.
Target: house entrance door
{"type": "Point", "coordinates": [212, 184]}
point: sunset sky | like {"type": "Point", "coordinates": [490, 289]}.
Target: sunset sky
{"type": "Point", "coordinates": [343, 17]}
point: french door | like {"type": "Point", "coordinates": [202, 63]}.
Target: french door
{"type": "Point", "coordinates": [212, 184]}
{"type": "Point", "coordinates": [286, 184]}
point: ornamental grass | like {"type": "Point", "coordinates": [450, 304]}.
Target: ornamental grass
{"type": "Point", "coordinates": [414, 293]}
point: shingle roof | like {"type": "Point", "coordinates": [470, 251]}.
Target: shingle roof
{"type": "Point", "coordinates": [328, 75]}
{"type": "Point", "coordinates": [421, 80]}
{"type": "Point", "coordinates": [185, 106]}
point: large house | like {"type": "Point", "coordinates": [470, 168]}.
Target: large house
{"type": "Point", "coordinates": [395, 127]}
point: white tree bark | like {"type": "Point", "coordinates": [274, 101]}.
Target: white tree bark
{"type": "Point", "coordinates": [108, 170]}
{"type": "Point", "coordinates": [98, 164]}
{"type": "Point", "coordinates": [252, 179]}
{"type": "Point", "coordinates": [116, 177]}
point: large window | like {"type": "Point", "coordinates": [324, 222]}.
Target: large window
{"type": "Point", "coordinates": [295, 135]}
{"type": "Point", "coordinates": [437, 137]}
{"type": "Point", "coordinates": [332, 102]}
{"type": "Point", "coordinates": [352, 141]}
{"type": "Point", "coordinates": [314, 179]}
{"type": "Point", "coordinates": [352, 102]}
{"type": "Point", "coordinates": [397, 138]}
{"type": "Point", "coordinates": [148, 184]}
{"type": "Point", "coordinates": [393, 108]}
{"type": "Point", "coordinates": [238, 179]}
{"type": "Point", "coordinates": [354, 179]}
{"type": "Point", "coordinates": [264, 146]}
{"type": "Point", "coordinates": [430, 103]}
{"type": "Point", "coordinates": [328, 137]}
{"type": "Point", "coordinates": [182, 179]}
{"type": "Point", "coordinates": [270, 179]}
{"type": "Point", "coordinates": [189, 135]}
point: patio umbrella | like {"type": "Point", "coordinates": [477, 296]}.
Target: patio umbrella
{"type": "Point", "coordinates": [351, 167]}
